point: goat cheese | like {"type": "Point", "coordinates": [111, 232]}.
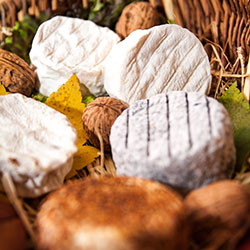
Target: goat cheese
{"type": "Point", "coordinates": [37, 144]}
{"type": "Point", "coordinates": [182, 139]}
{"type": "Point", "coordinates": [63, 46]}
{"type": "Point", "coordinates": [161, 59]}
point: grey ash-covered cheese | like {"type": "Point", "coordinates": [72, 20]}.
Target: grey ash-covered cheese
{"type": "Point", "coordinates": [182, 139]}
{"type": "Point", "coordinates": [37, 145]}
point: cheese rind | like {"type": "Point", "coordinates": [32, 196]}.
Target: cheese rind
{"type": "Point", "coordinates": [63, 46]}
{"type": "Point", "coordinates": [161, 59]}
{"type": "Point", "coordinates": [182, 139]}
{"type": "Point", "coordinates": [37, 144]}
{"type": "Point", "coordinates": [98, 208]}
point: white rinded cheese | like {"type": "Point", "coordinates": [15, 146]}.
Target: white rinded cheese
{"type": "Point", "coordinates": [37, 144]}
{"type": "Point", "coordinates": [163, 58]}
{"type": "Point", "coordinates": [63, 46]}
{"type": "Point", "coordinates": [182, 139]}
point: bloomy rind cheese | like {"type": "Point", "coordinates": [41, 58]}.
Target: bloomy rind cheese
{"type": "Point", "coordinates": [182, 139]}
{"type": "Point", "coordinates": [112, 214]}
{"type": "Point", "coordinates": [63, 46]}
{"type": "Point", "coordinates": [37, 144]}
{"type": "Point", "coordinates": [158, 60]}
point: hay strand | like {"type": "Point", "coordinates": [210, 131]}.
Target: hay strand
{"type": "Point", "coordinates": [224, 76]}
{"type": "Point", "coordinates": [242, 64]}
{"type": "Point", "coordinates": [85, 4]}
{"type": "Point", "coordinates": [246, 87]}
{"type": "Point", "coordinates": [101, 145]}
{"type": "Point", "coordinates": [169, 9]}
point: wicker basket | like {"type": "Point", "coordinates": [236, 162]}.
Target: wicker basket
{"type": "Point", "coordinates": [12, 10]}
{"type": "Point", "coordinates": [224, 28]}
{"type": "Point", "coordinates": [223, 22]}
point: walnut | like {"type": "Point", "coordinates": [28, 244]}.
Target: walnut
{"type": "Point", "coordinates": [15, 73]}
{"type": "Point", "coordinates": [137, 15]}
{"type": "Point", "coordinates": [101, 114]}
{"type": "Point", "coordinates": [219, 214]}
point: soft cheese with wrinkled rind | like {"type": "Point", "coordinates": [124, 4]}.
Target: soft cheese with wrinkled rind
{"type": "Point", "coordinates": [63, 46]}
{"type": "Point", "coordinates": [37, 144]}
{"type": "Point", "coordinates": [163, 58]}
{"type": "Point", "coordinates": [180, 138]}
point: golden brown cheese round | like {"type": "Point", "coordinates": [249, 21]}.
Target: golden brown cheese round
{"type": "Point", "coordinates": [114, 214]}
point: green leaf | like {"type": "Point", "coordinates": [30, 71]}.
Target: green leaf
{"type": "Point", "coordinates": [18, 46]}
{"type": "Point", "coordinates": [39, 97]}
{"type": "Point", "coordinates": [23, 34]}
{"type": "Point", "coordinates": [239, 111]}
{"type": "Point", "coordinates": [8, 40]}
{"type": "Point", "coordinates": [91, 15]}
{"type": "Point", "coordinates": [171, 21]}
{"type": "Point", "coordinates": [17, 25]}
{"type": "Point", "coordinates": [98, 6]}
{"type": "Point", "coordinates": [87, 99]}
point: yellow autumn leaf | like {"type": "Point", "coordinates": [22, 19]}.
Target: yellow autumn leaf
{"type": "Point", "coordinates": [68, 100]}
{"type": "Point", "coordinates": [84, 156]}
{"type": "Point", "coordinates": [3, 90]}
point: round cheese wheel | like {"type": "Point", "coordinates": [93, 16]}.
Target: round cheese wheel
{"type": "Point", "coordinates": [182, 139]}
{"type": "Point", "coordinates": [112, 214]}
{"type": "Point", "coordinates": [37, 144]}
{"type": "Point", "coordinates": [64, 45]}
{"type": "Point", "coordinates": [158, 60]}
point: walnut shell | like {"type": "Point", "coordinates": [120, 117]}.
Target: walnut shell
{"type": "Point", "coordinates": [101, 114]}
{"type": "Point", "coordinates": [219, 214]}
{"type": "Point", "coordinates": [15, 73]}
{"type": "Point", "coordinates": [137, 15]}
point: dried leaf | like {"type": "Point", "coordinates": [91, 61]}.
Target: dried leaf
{"type": "Point", "coordinates": [84, 156]}
{"type": "Point", "coordinates": [68, 100]}
{"type": "Point", "coordinates": [239, 112]}
{"type": "Point", "coordinates": [3, 90]}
